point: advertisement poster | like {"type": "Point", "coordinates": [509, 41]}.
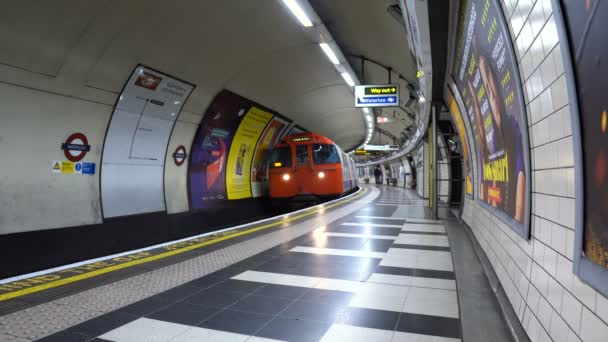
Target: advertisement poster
{"type": "Point", "coordinates": [223, 148]}
{"type": "Point", "coordinates": [587, 35]}
{"type": "Point", "coordinates": [209, 153]}
{"type": "Point", "coordinates": [259, 168]}
{"type": "Point", "coordinates": [135, 148]}
{"type": "Point", "coordinates": [238, 180]}
{"type": "Point", "coordinates": [462, 134]}
{"type": "Point", "coordinates": [487, 75]}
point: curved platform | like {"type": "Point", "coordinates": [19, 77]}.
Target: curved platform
{"type": "Point", "coordinates": [367, 267]}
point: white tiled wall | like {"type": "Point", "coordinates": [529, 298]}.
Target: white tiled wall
{"type": "Point", "coordinates": [537, 275]}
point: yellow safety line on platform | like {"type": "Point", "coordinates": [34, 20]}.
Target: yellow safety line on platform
{"type": "Point", "coordinates": [56, 283]}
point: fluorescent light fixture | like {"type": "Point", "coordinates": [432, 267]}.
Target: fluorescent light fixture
{"type": "Point", "coordinates": [369, 118]}
{"type": "Point", "coordinates": [348, 79]}
{"type": "Point", "coordinates": [366, 110]}
{"type": "Point", "coordinates": [421, 99]}
{"type": "Point", "coordinates": [329, 53]}
{"type": "Point", "coordinates": [298, 12]}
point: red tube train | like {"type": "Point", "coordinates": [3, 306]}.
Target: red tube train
{"type": "Point", "coordinates": [309, 166]}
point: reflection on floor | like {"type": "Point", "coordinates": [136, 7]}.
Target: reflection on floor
{"type": "Point", "coordinates": [379, 274]}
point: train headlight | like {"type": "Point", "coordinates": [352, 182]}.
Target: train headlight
{"type": "Point", "coordinates": [321, 174]}
{"type": "Point", "coordinates": [286, 176]}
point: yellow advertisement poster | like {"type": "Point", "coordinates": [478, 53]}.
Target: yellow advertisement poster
{"type": "Point", "coordinates": [67, 167]}
{"type": "Point", "coordinates": [238, 168]}
{"type": "Point", "coordinates": [463, 141]}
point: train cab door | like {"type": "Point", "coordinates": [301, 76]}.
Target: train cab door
{"type": "Point", "coordinates": [303, 169]}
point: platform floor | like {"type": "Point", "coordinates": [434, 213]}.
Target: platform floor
{"type": "Point", "coordinates": [373, 268]}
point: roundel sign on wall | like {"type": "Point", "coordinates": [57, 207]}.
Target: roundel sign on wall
{"type": "Point", "coordinates": [76, 147]}
{"type": "Point", "coordinates": [180, 155]}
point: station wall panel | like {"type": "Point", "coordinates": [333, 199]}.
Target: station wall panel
{"type": "Point", "coordinates": [551, 301]}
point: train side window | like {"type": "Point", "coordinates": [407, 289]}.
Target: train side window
{"type": "Point", "coordinates": [280, 157]}
{"type": "Point", "coordinates": [325, 154]}
{"type": "Point", "coordinates": [302, 154]}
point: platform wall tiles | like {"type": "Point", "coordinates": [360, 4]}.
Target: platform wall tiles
{"type": "Point", "coordinates": [552, 303]}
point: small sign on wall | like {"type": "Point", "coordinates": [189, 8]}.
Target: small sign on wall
{"type": "Point", "coordinates": [68, 167]}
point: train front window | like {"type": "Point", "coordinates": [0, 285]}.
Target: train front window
{"type": "Point", "coordinates": [302, 154]}
{"type": "Point", "coordinates": [325, 154]}
{"type": "Point", "coordinates": [280, 157]}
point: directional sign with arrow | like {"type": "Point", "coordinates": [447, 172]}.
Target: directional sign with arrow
{"type": "Point", "coordinates": [377, 95]}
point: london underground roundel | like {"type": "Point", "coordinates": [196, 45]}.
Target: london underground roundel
{"type": "Point", "coordinates": [76, 147]}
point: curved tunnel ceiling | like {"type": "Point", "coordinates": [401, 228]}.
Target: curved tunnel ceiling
{"type": "Point", "coordinates": [367, 28]}
{"type": "Point", "coordinates": [254, 48]}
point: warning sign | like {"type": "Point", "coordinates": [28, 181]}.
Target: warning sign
{"type": "Point", "coordinates": [56, 166]}
{"type": "Point", "coordinates": [67, 167]}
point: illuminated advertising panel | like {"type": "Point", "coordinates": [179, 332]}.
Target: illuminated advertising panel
{"type": "Point", "coordinates": [222, 164]}
{"type": "Point", "coordinates": [487, 75]}
{"type": "Point", "coordinates": [586, 26]}
{"type": "Point", "coordinates": [462, 134]}
{"type": "Point", "coordinates": [238, 170]}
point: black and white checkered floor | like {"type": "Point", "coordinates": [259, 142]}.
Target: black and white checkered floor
{"type": "Point", "coordinates": [374, 275]}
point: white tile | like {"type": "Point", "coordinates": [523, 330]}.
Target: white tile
{"type": "Point", "coordinates": [408, 337]}
{"type": "Point", "coordinates": [339, 285]}
{"type": "Point", "coordinates": [386, 303]}
{"type": "Point", "coordinates": [362, 236]}
{"type": "Point", "coordinates": [554, 295]}
{"type": "Point", "coordinates": [334, 251]}
{"type": "Point", "coordinates": [592, 328]}
{"type": "Point", "coordinates": [261, 339]}
{"type": "Point", "coordinates": [357, 224]}
{"type": "Point", "coordinates": [584, 292]}
{"type": "Point", "coordinates": [559, 329]}
{"type": "Point", "coordinates": [544, 313]}
{"type": "Point", "coordinates": [432, 302]}
{"type": "Point", "coordinates": [428, 228]}
{"type": "Point", "coordinates": [550, 261]}
{"type": "Point", "coordinates": [565, 272]}
{"type": "Point", "coordinates": [571, 311]}
{"type": "Point", "coordinates": [414, 258]}
{"type": "Point", "coordinates": [341, 332]}
{"type": "Point", "coordinates": [278, 279]}
{"type": "Point", "coordinates": [601, 308]}
{"type": "Point", "coordinates": [423, 240]}
{"type": "Point", "coordinates": [146, 330]}
{"type": "Point", "coordinates": [445, 284]}
{"type": "Point", "coordinates": [208, 335]}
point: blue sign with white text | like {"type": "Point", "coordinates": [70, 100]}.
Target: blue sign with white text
{"type": "Point", "coordinates": [376, 100]}
{"type": "Point", "coordinates": [88, 168]}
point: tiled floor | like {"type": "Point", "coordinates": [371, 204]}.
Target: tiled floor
{"type": "Point", "coordinates": [371, 276]}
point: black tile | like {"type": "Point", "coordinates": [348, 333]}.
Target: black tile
{"type": "Point", "coordinates": [147, 306]}
{"type": "Point", "coordinates": [227, 272]}
{"type": "Point", "coordinates": [378, 220]}
{"type": "Point", "coordinates": [261, 304]}
{"type": "Point", "coordinates": [215, 299]}
{"type": "Point", "coordinates": [314, 311]}
{"type": "Point", "coordinates": [98, 340]}
{"type": "Point", "coordinates": [180, 292]}
{"type": "Point", "coordinates": [238, 322]}
{"type": "Point", "coordinates": [103, 324]}
{"type": "Point", "coordinates": [426, 248]}
{"type": "Point", "coordinates": [294, 330]}
{"type": "Point", "coordinates": [429, 325]}
{"type": "Point", "coordinates": [65, 336]}
{"type": "Point", "coordinates": [365, 230]}
{"type": "Point", "coordinates": [327, 297]}
{"type": "Point", "coordinates": [184, 313]}
{"type": "Point", "coordinates": [378, 210]}
{"type": "Point", "coordinates": [205, 282]}
{"type": "Point", "coordinates": [415, 272]}
{"type": "Point", "coordinates": [281, 291]}
{"type": "Point", "coordinates": [238, 286]}
{"type": "Point", "coordinates": [370, 318]}
{"type": "Point", "coordinates": [377, 245]}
